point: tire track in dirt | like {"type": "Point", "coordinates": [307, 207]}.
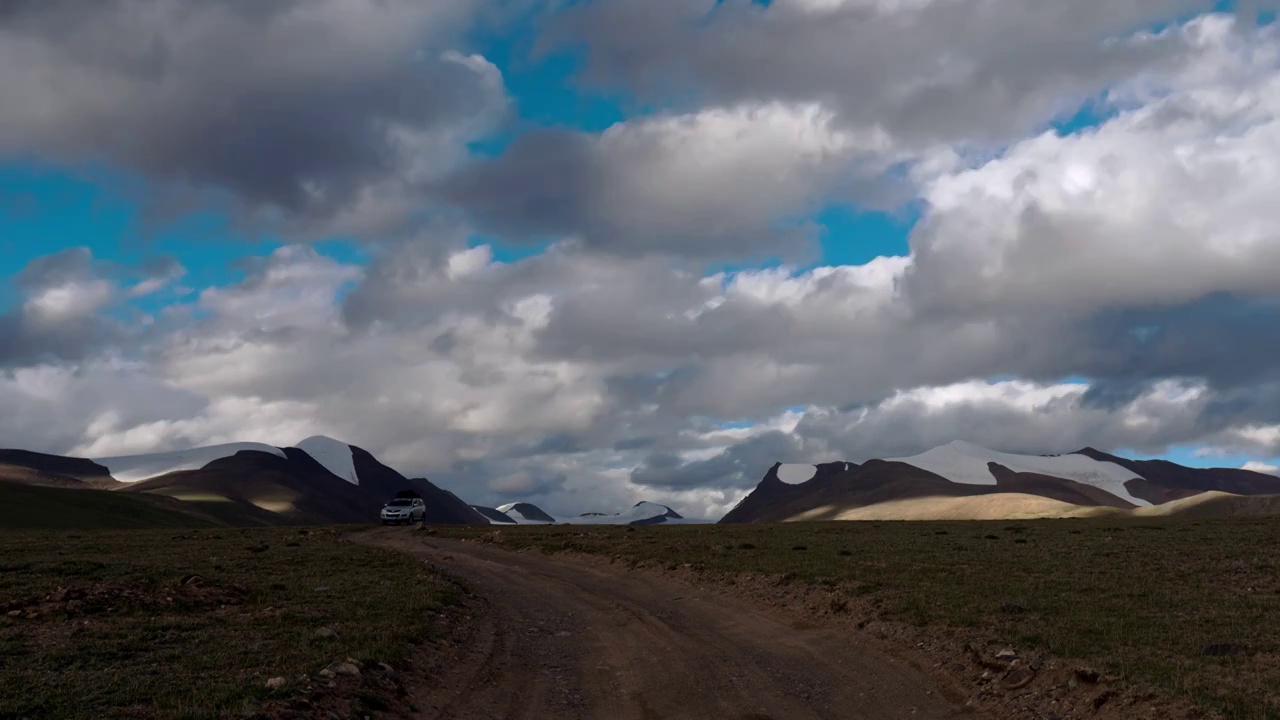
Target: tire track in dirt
{"type": "Point", "coordinates": [566, 638]}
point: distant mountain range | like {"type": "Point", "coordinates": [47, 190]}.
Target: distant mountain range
{"type": "Point", "coordinates": [642, 513]}
{"type": "Point", "coordinates": [963, 481]}
{"type": "Point", "coordinates": [322, 481]}
{"type": "Point", "coordinates": [317, 481]}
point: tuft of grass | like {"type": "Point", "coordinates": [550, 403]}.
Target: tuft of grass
{"type": "Point", "coordinates": [146, 645]}
{"type": "Point", "coordinates": [1151, 600]}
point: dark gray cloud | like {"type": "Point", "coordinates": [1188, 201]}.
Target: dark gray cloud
{"type": "Point", "coordinates": [324, 110]}
{"type": "Point", "coordinates": [715, 183]}
{"type": "Point", "coordinates": [58, 318]}
{"type": "Point", "coordinates": [63, 305]}
{"type": "Point", "coordinates": [977, 71]}
{"type": "Point", "coordinates": [740, 466]}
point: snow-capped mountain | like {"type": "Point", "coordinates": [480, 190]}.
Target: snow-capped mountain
{"type": "Point", "coordinates": [961, 480]}
{"type": "Point", "coordinates": [526, 513]}
{"type": "Point", "coordinates": [966, 463]}
{"type": "Point", "coordinates": [319, 480]}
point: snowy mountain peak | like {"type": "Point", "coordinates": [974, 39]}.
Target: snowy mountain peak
{"type": "Point", "coordinates": [334, 455]}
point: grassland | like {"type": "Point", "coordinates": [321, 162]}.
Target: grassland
{"type": "Point", "coordinates": [111, 624]}
{"type": "Point", "coordinates": [34, 507]}
{"type": "Point", "coordinates": [1188, 606]}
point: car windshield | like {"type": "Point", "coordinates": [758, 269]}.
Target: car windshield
{"type": "Point", "coordinates": [400, 503]}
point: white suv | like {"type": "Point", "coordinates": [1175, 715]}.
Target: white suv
{"type": "Point", "coordinates": [403, 510]}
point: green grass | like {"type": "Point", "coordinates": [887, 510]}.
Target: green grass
{"type": "Point", "coordinates": [198, 657]}
{"type": "Point", "coordinates": [33, 507]}
{"type": "Point", "coordinates": [1139, 598]}
{"type": "Point", "coordinates": [30, 506]}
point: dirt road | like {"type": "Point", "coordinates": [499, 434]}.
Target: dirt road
{"type": "Point", "coordinates": [569, 638]}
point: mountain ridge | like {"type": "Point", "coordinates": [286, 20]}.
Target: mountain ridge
{"type": "Point", "coordinates": [962, 477]}
{"type": "Point", "coordinates": [252, 480]}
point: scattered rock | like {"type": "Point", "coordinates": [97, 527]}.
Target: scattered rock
{"type": "Point", "coordinates": [345, 668]}
{"type": "Point", "coordinates": [191, 580]}
{"type": "Point", "coordinates": [1007, 654]}
{"type": "Point", "coordinates": [15, 613]}
{"type": "Point", "coordinates": [327, 633]}
{"type": "Point", "coordinates": [1019, 677]}
{"type": "Point", "coordinates": [322, 588]}
{"type": "Point", "coordinates": [327, 673]}
{"type": "Point", "coordinates": [276, 683]}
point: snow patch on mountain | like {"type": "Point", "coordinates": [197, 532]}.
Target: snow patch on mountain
{"type": "Point", "coordinates": [135, 468]}
{"type": "Point", "coordinates": [334, 455]}
{"type": "Point", "coordinates": [966, 463]}
{"type": "Point", "coordinates": [526, 514]}
{"type": "Point", "coordinates": [641, 512]}
{"type": "Point", "coordinates": [793, 474]}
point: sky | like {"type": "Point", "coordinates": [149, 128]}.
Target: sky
{"type": "Point", "coordinates": [588, 253]}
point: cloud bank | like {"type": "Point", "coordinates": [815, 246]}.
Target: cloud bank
{"type": "Point", "coordinates": [1094, 260]}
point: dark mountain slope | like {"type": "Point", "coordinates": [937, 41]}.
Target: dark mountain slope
{"type": "Point", "coordinates": [382, 482]}
{"type": "Point", "coordinates": [1164, 477]}
{"type": "Point", "coordinates": [53, 470]}
{"type": "Point", "coordinates": [772, 497]}
{"type": "Point", "coordinates": [295, 492]}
